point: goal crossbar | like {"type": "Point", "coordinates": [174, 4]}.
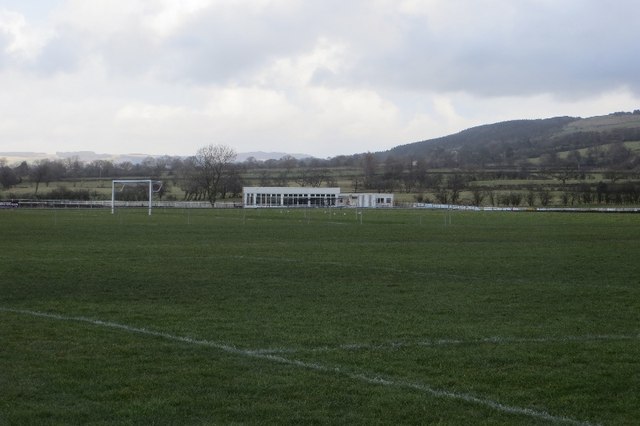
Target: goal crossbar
{"type": "Point", "coordinates": [149, 182]}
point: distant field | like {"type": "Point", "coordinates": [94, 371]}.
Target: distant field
{"type": "Point", "coordinates": [317, 316]}
{"type": "Point", "coordinates": [603, 123]}
{"type": "Point", "coordinates": [633, 146]}
{"type": "Point", "coordinates": [97, 188]}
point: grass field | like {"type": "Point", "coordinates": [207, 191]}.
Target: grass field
{"type": "Point", "coordinates": [316, 317]}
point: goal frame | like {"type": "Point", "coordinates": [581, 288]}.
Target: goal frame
{"type": "Point", "coordinates": [150, 182]}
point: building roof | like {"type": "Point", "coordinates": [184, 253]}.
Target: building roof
{"type": "Point", "coordinates": [290, 190]}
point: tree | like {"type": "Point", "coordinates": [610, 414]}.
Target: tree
{"type": "Point", "coordinates": [574, 159]}
{"type": "Point", "coordinates": [22, 170]}
{"type": "Point", "coordinates": [393, 168]}
{"type": "Point", "coordinates": [369, 166]}
{"type": "Point", "coordinates": [39, 172]}
{"type": "Point", "coordinates": [265, 179]}
{"type": "Point", "coordinates": [231, 182]}
{"type": "Point", "coordinates": [416, 177]}
{"type": "Point", "coordinates": [493, 198]}
{"type": "Point", "coordinates": [212, 162]}
{"type": "Point", "coordinates": [312, 177]}
{"type": "Point", "coordinates": [289, 163]}
{"type": "Point", "coordinates": [618, 155]}
{"type": "Point", "coordinates": [442, 195]}
{"type": "Point", "coordinates": [456, 184]}
{"type": "Point", "coordinates": [73, 167]}
{"type": "Point", "coordinates": [602, 192]}
{"type": "Point", "coordinates": [478, 195]}
{"type": "Point", "coordinates": [56, 171]}
{"type": "Point", "coordinates": [613, 176]}
{"type": "Point", "coordinates": [356, 180]}
{"type": "Point", "coordinates": [549, 159]}
{"type": "Point", "coordinates": [545, 196]}
{"type": "Point", "coordinates": [100, 169]}
{"type": "Point", "coordinates": [530, 197]}
{"type": "Point", "coordinates": [281, 179]}
{"type": "Point", "coordinates": [8, 177]}
{"type": "Point", "coordinates": [515, 198]}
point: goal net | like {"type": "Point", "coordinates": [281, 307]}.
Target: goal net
{"type": "Point", "coordinates": [153, 185]}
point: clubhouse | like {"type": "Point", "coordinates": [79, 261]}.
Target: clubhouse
{"type": "Point", "coordinates": [289, 196]}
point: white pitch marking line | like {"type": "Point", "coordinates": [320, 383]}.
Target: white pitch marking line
{"type": "Point", "coordinates": [370, 378]}
{"type": "Point", "coordinates": [453, 342]}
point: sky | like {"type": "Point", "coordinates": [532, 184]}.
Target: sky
{"type": "Point", "coordinates": [319, 77]}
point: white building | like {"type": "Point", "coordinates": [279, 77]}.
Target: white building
{"type": "Point", "coordinates": [289, 196]}
{"type": "Point", "coordinates": [368, 199]}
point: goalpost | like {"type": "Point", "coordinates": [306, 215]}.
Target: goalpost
{"type": "Point", "coordinates": [149, 182]}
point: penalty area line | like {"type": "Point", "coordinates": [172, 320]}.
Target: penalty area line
{"type": "Point", "coordinates": [365, 377]}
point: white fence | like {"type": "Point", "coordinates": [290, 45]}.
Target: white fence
{"type": "Point", "coordinates": [97, 204]}
{"type": "Point", "coordinates": [26, 203]}
{"type": "Point", "coordinates": [528, 209]}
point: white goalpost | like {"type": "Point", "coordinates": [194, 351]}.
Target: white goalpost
{"type": "Point", "coordinates": [149, 182]}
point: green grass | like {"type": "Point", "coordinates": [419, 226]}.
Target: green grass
{"type": "Point", "coordinates": [97, 188]}
{"type": "Point", "coordinates": [603, 123]}
{"type": "Point", "coordinates": [633, 146]}
{"type": "Point", "coordinates": [309, 316]}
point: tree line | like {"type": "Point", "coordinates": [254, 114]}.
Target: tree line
{"type": "Point", "coordinates": [212, 173]}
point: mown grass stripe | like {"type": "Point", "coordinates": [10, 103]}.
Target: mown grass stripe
{"type": "Point", "coordinates": [366, 377]}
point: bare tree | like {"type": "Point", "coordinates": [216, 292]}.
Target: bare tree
{"type": "Point", "coordinates": [530, 197]}
{"type": "Point", "coordinates": [212, 162]}
{"type": "Point", "coordinates": [477, 195]}
{"type": "Point", "coordinates": [515, 198]}
{"type": "Point", "coordinates": [493, 197]}
{"type": "Point", "coordinates": [545, 196]}
{"type": "Point", "coordinates": [313, 177]}
{"type": "Point", "coordinates": [456, 184]}
{"type": "Point", "coordinates": [442, 195]}
{"type": "Point", "coordinates": [40, 172]}
{"type": "Point", "coordinates": [265, 178]}
{"type": "Point", "coordinates": [369, 166]}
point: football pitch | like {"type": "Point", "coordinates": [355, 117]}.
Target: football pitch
{"type": "Point", "coordinates": [318, 317]}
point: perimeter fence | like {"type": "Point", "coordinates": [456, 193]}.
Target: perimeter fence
{"type": "Point", "coordinates": [100, 204]}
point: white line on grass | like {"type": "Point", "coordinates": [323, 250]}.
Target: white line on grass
{"type": "Point", "coordinates": [453, 342]}
{"type": "Point", "coordinates": [365, 377]}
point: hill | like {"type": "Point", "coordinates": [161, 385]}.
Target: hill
{"type": "Point", "coordinates": [522, 141]}
{"type": "Point", "coordinates": [511, 132]}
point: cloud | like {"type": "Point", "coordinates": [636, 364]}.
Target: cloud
{"type": "Point", "coordinates": [230, 44]}
{"type": "Point", "coordinates": [488, 48]}
{"type": "Point", "coordinates": [19, 41]}
{"type": "Point", "coordinates": [324, 77]}
{"type": "Point", "coordinates": [504, 48]}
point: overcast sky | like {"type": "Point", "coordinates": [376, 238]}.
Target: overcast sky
{"type": "Point", "coordinates": [322, 77]}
